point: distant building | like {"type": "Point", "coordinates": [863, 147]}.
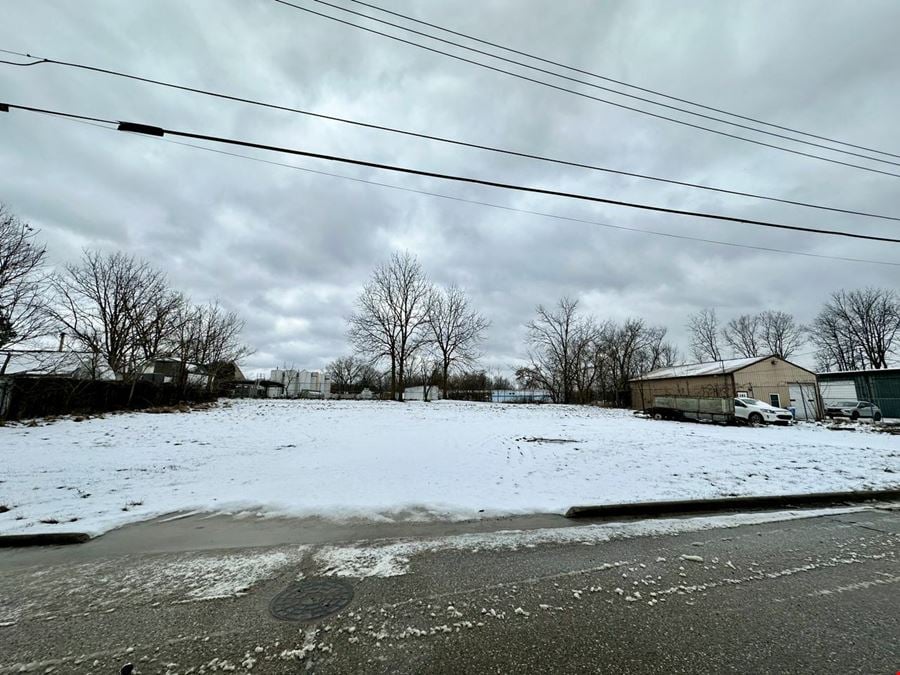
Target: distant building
{"type": "Point", "coordinates": [255, 389]}
{"type": "Point", "coordinates": [767, 378]}
{"type": "Point", "coordinates": [421, 393]}
{"type": "Point", "coordinates": [39, 363]}
{"type": "Point", "coordinates": [521, 396]}
{"type": "Point", "coordinates": [302, 383]}
{"type": "Point", "coordinates": [167, 370]}
{"type": "Point", "coordinates": [881, 387]}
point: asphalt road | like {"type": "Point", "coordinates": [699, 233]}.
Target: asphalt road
{"type": "Point", "coordinates": [811, 595]}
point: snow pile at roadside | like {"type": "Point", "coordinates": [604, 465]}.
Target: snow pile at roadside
{"type": "Point", "coordinates": [117, 584]}
{"type": "Point", "coordinates": [392, 558]}
{"type": "Point", "coordinates": [344, 459]}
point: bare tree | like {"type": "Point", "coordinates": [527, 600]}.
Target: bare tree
{"type": "Point", "coordinates": [23, 282]}
{"type": "Point", "coordinates": [781, 334]}
{"type": "Point", "coordinates": [372, 328]}
{"type": "Point", "coordinates": [186, 339]}
{"type": "Point", "coordinates": [857, 328]}
{"type": "Point", "coordinates": [625, 351]}
{"type": "Point", "coordinates": [425, 366]}
{"type": "Point", "coordinates": [219, 345]}
{"type": "Point", "coordinates": [345, 372]}
{"type": "Point", "coordinates": [499, 381]}
{"type": "Point", "coordinates": [528, 378]}
{"type": "Point", "coordinates": [835, 346]}
{"type": "Point", "coordinates": [558, 340]}
{"type": "Point", "coordinates": [744, 335]}
{"type": "Point", "coordinates": [656, 352]}
{"type": "Point", "coordinates": [371, 378]}
{"type": "Point", "coordinates": [101, 301]}
{"type": "Point", "coordinates": [663, 355]}
{"type": "Point", "coordinates": [156, 324]}
{"type": "Point", "coordinates": [457, 330]}
{"type": "Point", "coordinates": [704, 332]}
{"type": "Point", "coordinates": [391, 317]}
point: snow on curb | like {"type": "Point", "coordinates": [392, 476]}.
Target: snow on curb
{"type": "Point", "coordinates": [393, 558]}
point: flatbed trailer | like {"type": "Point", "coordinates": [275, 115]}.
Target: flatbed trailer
{"type": "Point", "coordinates": [694, 408]}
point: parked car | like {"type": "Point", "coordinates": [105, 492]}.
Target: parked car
{"type": "Point", "coordinates": [759, 412]}
{"type": "Point", "coordinates": [854, 410]}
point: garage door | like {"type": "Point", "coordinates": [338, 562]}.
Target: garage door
{"type": "Point", "coordinates": [803, 399]}
{"type": "Point", "coordinates": [837, 390]}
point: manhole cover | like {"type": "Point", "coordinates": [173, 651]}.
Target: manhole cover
{"type": "Point", "coordinates": [311, 599]}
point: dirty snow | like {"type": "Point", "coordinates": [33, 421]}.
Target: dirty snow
{"type": "Point", "coordinates": [115, 584]}
{"type": "Point", "coordinates": [388, 559]}
{"type": "Point", "coordinates": [345, 459]}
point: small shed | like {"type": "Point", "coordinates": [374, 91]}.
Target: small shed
{"type": "Point", "coordinates": [768, 378]}
{"type": "Point", "coordinates": [258, 388]}
{"type": "Point", "coordinates": [881, 387]}
{"type": "Point", "coordinates": [421, 393]}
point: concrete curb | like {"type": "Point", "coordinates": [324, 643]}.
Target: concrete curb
{"type": "Point", "coordinates": [43, 539]}
{"type": "Point", "coordinates": [674, 508]}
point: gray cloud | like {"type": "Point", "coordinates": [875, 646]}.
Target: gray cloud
{"type": "Point", "coordinates": [289, 250]}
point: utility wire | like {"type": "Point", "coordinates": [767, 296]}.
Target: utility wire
{"type": "Point", "coordinates": [14, 63]}
{"type": "Point", "coordinates": [499, 206]}
{"type": "Point", "coordinates": [161, 131]}
{"type": "Point", "coordinates": [530, 212]}
{"type": "Point", "coordinates": [620, 82]}
{"type": "Point", "coordinates": [589, 84]}
{"type": "Point", "coordinates": [443, 139]}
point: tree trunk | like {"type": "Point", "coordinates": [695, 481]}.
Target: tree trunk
{"type": "Point", "coordinates": [393, 377]}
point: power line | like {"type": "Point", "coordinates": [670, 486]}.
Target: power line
{"type": "Point", "coordinates": [590, 84]}
{"type": "Point", "coordinates": [161, 131]}
{"type": "Point", "coordinates": [622, 83]}
{"type": "Point", "coordinates": [442, 139]}
{"type": "Point", "coordinates": [501, 206]}
{"type": "Point", "coordinates": [535, 213]}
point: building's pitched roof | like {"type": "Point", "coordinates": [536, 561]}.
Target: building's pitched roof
{"type": "Point", "coordinates": [700, 369]}
{"type": "Point", "coordinates": [68, 363]}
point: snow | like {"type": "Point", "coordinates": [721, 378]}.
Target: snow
{"type": "Point", "coordinates": [391, 559]}
{"type": "Point", "coordinates": [109, 585]}
{"type": "Point", "coordinates": [708, 368]}
{"type": "Point", "coordinates": [55, 363]}
{"type": "Point", "coordinates": [379, 459]}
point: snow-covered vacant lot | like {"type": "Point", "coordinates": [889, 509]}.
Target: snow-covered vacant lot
{"type": "Point", "coordinates": [381, 459]}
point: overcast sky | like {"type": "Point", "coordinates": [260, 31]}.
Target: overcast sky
{"type": "Point", "coordinates": [290, 250]}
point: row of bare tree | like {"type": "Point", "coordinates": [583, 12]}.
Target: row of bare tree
{"type": "Point", "coordinates": [351, 374]}
{"type": "Point", "coordinates": [23, 282]}
{"type": "Point", "coordinates": [580, 359]}
{"type": "Point", "coordinates": [763, 334]}
{"type": "Point", "coordinates": [857, 330]}
{"type": "Point", "coordinates": [112, 305]}
{"type": "Point", "coordinates": [854, 330]}
{"type": "Point", "coordinates": [404, 321]}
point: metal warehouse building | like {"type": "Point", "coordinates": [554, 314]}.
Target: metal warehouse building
{"type": "Point", "coordinates": [881, 387]}
{"type": "Point", "coordinates": [767, 378]}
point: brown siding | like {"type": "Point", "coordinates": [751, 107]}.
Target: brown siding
{"type": "Point", "coordinates": [769, 376]}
